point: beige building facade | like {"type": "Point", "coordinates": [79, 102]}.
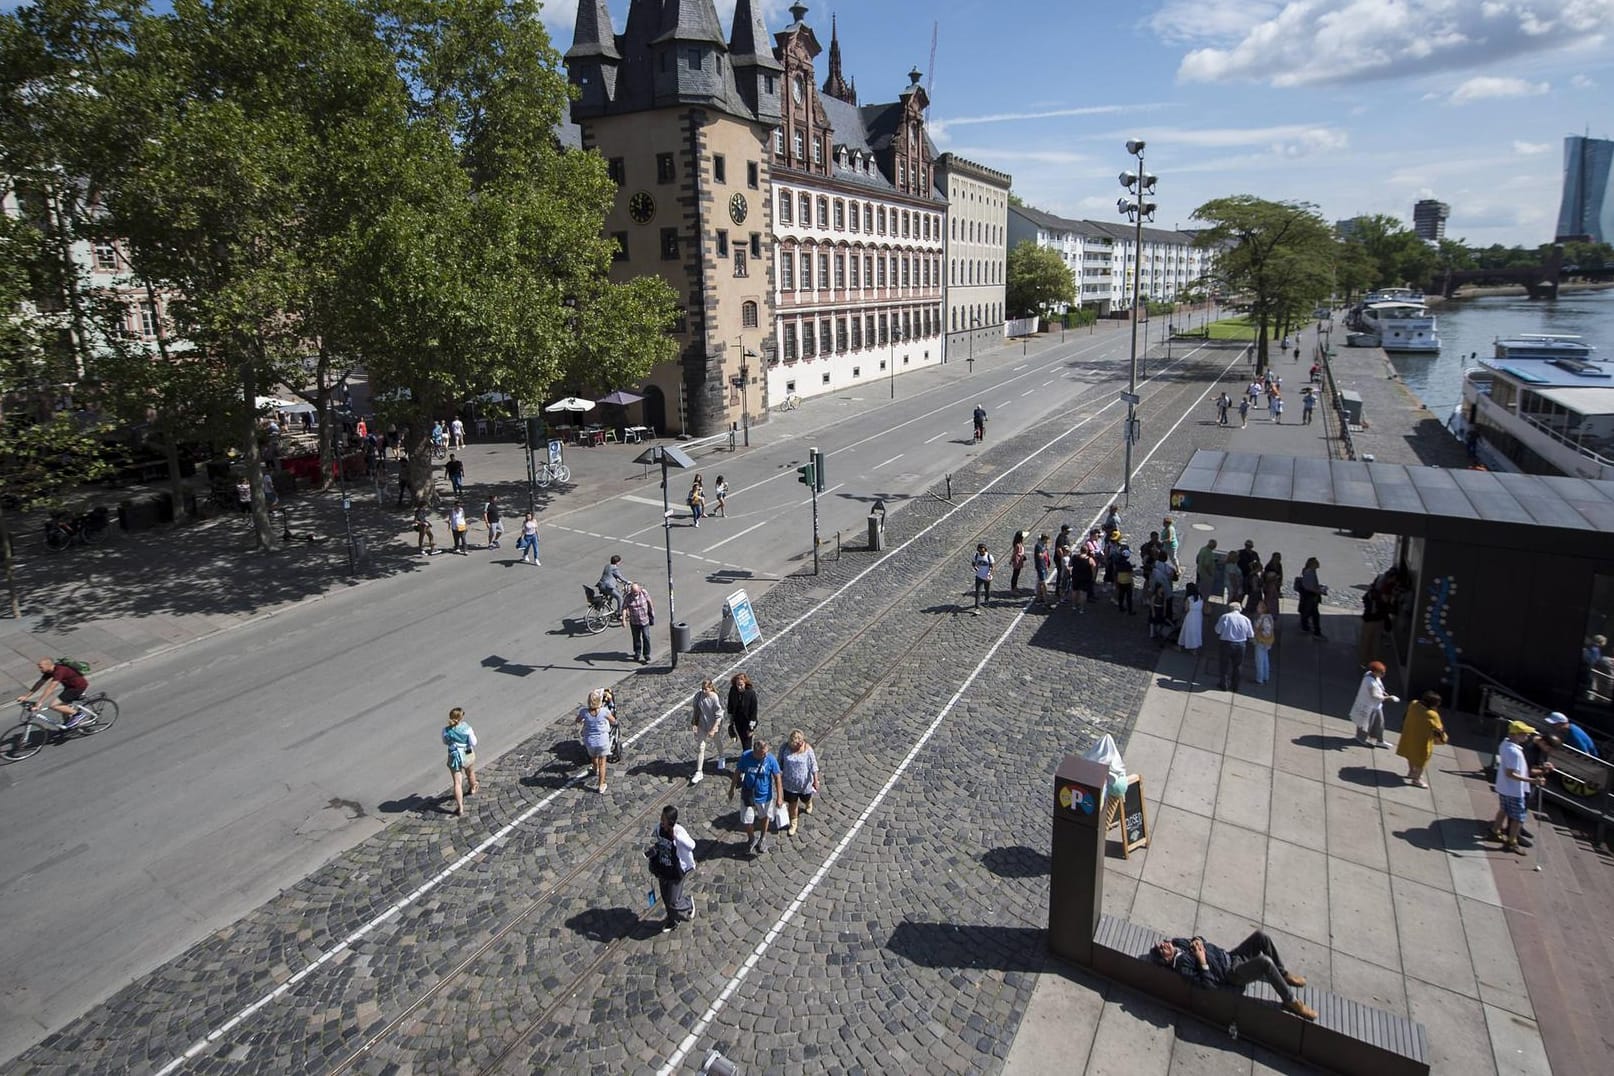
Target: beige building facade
{"type": "Point", "coordinates": [976, 252]}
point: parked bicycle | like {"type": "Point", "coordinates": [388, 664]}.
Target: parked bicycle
{"type": "Point", "coordinates": [789, 403]}
{"type": "Point", "coordinates": [39, 726]}
{"type": "Point", "coordinates": [62, 530]}
{"type": "Point", "coordinates": [553, 472]}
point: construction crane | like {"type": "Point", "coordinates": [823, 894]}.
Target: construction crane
{"type": "Point", "coordinates": [930, 71]}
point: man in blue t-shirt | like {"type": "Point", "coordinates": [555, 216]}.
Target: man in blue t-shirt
{"type": "Point", "coordinates": [756, 775]}
{"type": "Point", "coordinates": [1570, 735]}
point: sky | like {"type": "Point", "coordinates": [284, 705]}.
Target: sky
{"type": "Point", "coordinates": [1357, 106]}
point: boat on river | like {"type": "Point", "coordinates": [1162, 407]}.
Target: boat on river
{"type": "Point", "coordinates": [1542, 404]}
{"type": "Point", "coordinates": [1397, 319]}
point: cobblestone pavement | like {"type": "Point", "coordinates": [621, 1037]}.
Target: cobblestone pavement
{"type": "Point", "coordinates": [911, 952]}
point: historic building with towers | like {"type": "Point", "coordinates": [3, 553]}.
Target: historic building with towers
{"type": "Point", "coordinates": [684, 118]}
{"type": "Point", "coordinates": [804, 231]}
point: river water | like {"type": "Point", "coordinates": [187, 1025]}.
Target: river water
{"type": "Point", "coordinates": [1470, 326]}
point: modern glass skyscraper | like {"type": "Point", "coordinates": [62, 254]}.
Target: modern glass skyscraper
{"type": "Point", "coordinates": [1587, 209]}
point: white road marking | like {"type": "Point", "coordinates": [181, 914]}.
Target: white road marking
{"type": "Point", "coordinates": [806, 891]}
{"type": "Point", "coordinates": [893, 459]}
{"type": "Point", "coordinates": [397, 907]}
{"type": "Point", "coordinates": [1045, 384]}
{"type": "Point", "coordinates": [1022, 366]}
{"type": "Point", "coordinates": [636, 499]}
{"type": "Point", "coordinates": [1004, 404]}
{"type": "Point", "coordinates": [1026, 393]}
{"type": "Point", "coordinates": [938, 437]}
{"type": "Point", "coordinates": [740, 534]}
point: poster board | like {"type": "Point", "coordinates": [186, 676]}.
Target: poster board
{"type": "Point", "coordinates": [1130, 814]}
{"type": "Point", "coordinates": [738, 609]}
{"type": "Point", "coordinates": [555, 449]}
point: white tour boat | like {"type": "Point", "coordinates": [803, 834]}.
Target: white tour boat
{"type": "Point", "coordinates": [1541, 405]}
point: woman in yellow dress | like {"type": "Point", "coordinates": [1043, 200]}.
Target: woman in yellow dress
{"type": "Point", "coordinates": [1420, 731]}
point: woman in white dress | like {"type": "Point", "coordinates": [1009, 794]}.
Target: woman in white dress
{"type": "Point", "coordinates": [1367, 712]}
{"type": "Point", "coordinates": [1192, 635]}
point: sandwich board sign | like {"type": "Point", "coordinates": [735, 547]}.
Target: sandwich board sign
{"type": "Point", "coordinates": [739, 612]}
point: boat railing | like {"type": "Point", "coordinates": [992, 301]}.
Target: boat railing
{"type": "Point", "coordinates": [1591, 455]}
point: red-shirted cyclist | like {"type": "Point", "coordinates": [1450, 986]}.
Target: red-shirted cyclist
{"type": "Point", "coordinates": [67, 684]}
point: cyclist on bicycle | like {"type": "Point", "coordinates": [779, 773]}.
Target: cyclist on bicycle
{"type": "Point", "coordinates": [980, 422]}
{"type": "Point", "coordinates": [613, 584]}
{"type": "Point", "coordinates": [66, 683]}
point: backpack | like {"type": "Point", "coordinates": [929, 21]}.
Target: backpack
{"type": "Point", "coordinates": [82, 667]}
{"type": "Point", "coordinates": [663, 857]}
{"type": "Point", "coordinates": [1299, 585]}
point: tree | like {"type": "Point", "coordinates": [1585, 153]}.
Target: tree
{"type": "Point", "coordinates": [1398, 256]}
{"type": "Point", "coordinates": [1278, 255]}
{"type": "Point", "coordinates": [1036, 279]}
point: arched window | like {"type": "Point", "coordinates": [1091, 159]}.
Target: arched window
{"type": "Point", "coordinates": [748, 315]}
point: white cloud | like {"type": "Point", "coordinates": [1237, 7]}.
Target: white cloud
{"type": "Point", "coordinates": [1310, 42]}
{"type": "Point", "coordinates": [990, 154]}
{"type": "Point", "coordinates": [1486, 87]}
{"type": "Point", "coordinates": [1052, 113]}
{"type": "Point", "coordinates": [1210, 20]}
{"type": "Point", "coordinates": [1529, 149]}
{"type": "Point", "coordinates": [1287, 140]}
{"type": "Point", "coordinates": [1583, 82]}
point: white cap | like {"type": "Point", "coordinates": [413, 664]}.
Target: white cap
{"type": "Point", "coordinates": [1555, 718]}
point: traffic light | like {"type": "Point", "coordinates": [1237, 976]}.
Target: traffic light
{"type": "Point", "coordinates": [804, 475]}
{"type": "Point", "coordinates": [818, 469]}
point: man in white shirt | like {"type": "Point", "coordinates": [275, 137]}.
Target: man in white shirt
{"type": "Point", "coordinates": [1513, 781]}
{"type": "Point", "coordinates": [1235, 631]}
{"type": "Point", "coordinates": [982, 564]}
{"type": "Point", "coordinates": [672, 858]}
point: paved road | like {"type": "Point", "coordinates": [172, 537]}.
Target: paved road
{"type": "Point", "coordinates": [247, 759]}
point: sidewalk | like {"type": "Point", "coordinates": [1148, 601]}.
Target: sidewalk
{"type": "Point", "coordinates": [1266, 813]}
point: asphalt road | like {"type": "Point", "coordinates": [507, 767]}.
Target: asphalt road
{"type": "Point", "coordinates": [247, 759]}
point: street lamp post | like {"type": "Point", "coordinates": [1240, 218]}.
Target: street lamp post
{"type": "Point", "coordinates": [745, 385]}
{"type": "Point", "coordinates": [975, 321]}
{"type": "Point", "coordinates": [668, 457]}
{"type": "Point", "coordinates": [1140, 185]}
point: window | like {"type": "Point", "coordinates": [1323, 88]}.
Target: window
{"type": "Point", "coordinates": [720, 169]}
{"type": "Point", "coordinates": [664, 168]}
{"type": "Point", "coordinates": [840, 272]}
{"type": "Point", "coordinates": [840, 215]}
{"type": "Point", "coordinates": [857, 371]}
{"type": "Point", "coordinates": [881, 263]}
{"type": "Point", "coordinates": [693, 58]}
{"type": "Point", "coordinates": [787, 271]}
{"type": "Point", "coordinates": [906, 272]}
{"type": "Point", "coordinates": [882, 220]}
{"type": "Point", "coordinates": [756, 246]}
{"type": "Point", "coordinates": [618, 171]}
{"type": "Point", "coordinates": [739, 260]}
{"type": "Point", "coordinates": [825, 340]}
{"type": "Point", "coordinates": [106, 256]}
{"type": "Point", "coordinates": [868, 271]}
{"type": "Point", "coordinates": [753, 174]}
{"type": "Point", "coordinates": [868, 218]}
{"type": "Point", "coordinates": [722, 244]}
{"type": "Point", "coordinates": [797, 141]}
{"type": "Point", "coordinates": [148, 319]}
{"type": "Point", "coordinates": [852, 217]}
{"type": "Point", "coordinates": [905, 222]}
{"type": "Point", "coordinates": [790, 341]}
{"type": "Point", "coordinates": [808, 340]}
{"type": "Point", "coordinates": [806, 272]}
{"type": "Point", "coordinates": [868, 329]}
{"type": "Point", "coordinates": [785, 207]}
{"type": "Point", "coordinates": [806, 211]}
{"type": "Point", "coordinates": [826, 377]}
{"type": "Point", "coordinates": [823, 212]}
{"type": "Point", "coordinates": [818, 151]}
{"type": "Point", "coordinates": [748, 315]}
{"type": "Point", "coordinates": [840, 335]}
{"type": "Point", "coordinates": [620, 254]}
{"type": "Point", "coordinates": [778, 140]}
{"type": "Point", "coordinates": [884, 337]}
{"type": "Point", "coordinates": [823, 270]}
{"type": "Point", "coordinates": [855, 284]}
{"type": "Point", "coordinates": [669, 244]}
{"type": "Point", "coordinates": [857, 334]}
{"type": "Point", "coordinates": [907, 324]}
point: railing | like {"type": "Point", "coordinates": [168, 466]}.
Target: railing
{"type": "Point", "coordinates": [1604, 467]}
{"type": "Point", "coordinates": [1338, 402]}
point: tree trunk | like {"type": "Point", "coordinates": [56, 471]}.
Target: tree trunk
{"type": "Point", "coordinates": [322, 407]}
{"type": "Point", "coordinates": [417, 443]}
{"type": "Point", "coordinates": [263, 531]}
{"type": "Point", "coordinates": [176, 482]}
{"type": "Point", "coordinates": [11, 566]}
{"type": "Point", "coordinates": [1261, 346]}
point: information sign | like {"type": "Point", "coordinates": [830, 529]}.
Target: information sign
{"type": "Point", "coordinates": [744, 617]}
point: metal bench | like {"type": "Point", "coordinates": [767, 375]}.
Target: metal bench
{"type": "Point", "coordinates": [1346, 1037]}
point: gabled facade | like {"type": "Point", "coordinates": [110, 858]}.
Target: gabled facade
{"type": "Point", "coordinates": [683, 116]}
{"type": "Point", "coordinates": [859, 228]}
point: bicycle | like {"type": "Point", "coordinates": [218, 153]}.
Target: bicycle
{"type": "Point", "coordinates": [553, 472]}
{"type": "Point", "coordinates": [439, 449]}
{"type": "Point", "coordinates": [39, 725]}
{"type": "Point", "coordinates": [789, 403]}
{"type": "Point", "coordinates": [603, 610]}
{"type": "Point", "coordinates": [83, 529]}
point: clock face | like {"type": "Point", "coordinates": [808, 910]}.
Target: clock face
{"type": "Point", "coordinates": [737, 208]}
{"type": "Point", "coordinates": [641, 207]}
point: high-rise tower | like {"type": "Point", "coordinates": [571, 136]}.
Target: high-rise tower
{"type": "Point", "coordinates": [1586, 212]}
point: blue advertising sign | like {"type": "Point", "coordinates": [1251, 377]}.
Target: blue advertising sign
{"type": "Point", "coordinates": [554, 451]}
{"type": "Point", "coordinates": [745, 618]}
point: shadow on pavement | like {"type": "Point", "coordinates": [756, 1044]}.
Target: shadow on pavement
{"type": "Point", "coordinates": [1326, 743]}
{"type": "Point", "coordinates": [1017, 861]}
{"type": "Point", "coordinates": [1368, 776]}
{"type": "Point", "coordinates": [604, 924]}
{"type": "Point", "coordinates": [982, 948]}
{"type": "Point", "coordinates": [417, 804]}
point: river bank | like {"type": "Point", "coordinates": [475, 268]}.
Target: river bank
{"type": "Point", "coordinates": [1481, 291]}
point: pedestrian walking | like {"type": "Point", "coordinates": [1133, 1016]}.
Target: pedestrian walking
{"type": "Point", "coordinates": [1514, 779]}
{"type": "Point", "coordinates": [641, 616]}
{"type": "Point", "coordinates": [672, 861]}
{"type": "Point", "coordinates": [1272, 584]}
{"type": "Point", "coordinates": [1061, 559]}
{"type": "Point", "coordinates": [404, 488]}
{"type": "Point", "coordinates": [1222, 404]}
{"type": "Point", "coordinates": [425, 543]}
{"type": "Point", "coordinates": [458, 526]}
{"type": "Point", "coordinates": [1266, 634]}
{"type": "Point", "coordinates": [1308, 404]}
{"type": "Point", "coordinates": [1168, 540]}
{"type": "Point", "coordinates": [1123, 580]}
{"type": "Point", "coordinates": [1311, 598]}
{"type": "Point", "coordinates": [490, 520]}
{"type": "Point", "coordinates": [460, 740]}
{"type": "Point", "coordinates": [982, 563]}
{"type": "Point", "coordinates": [742, 711]}
{"type": "Point", "coordinates": [597, 720]}
{"type": "Point", "coordinates": [799, 776]}
{"type": "Point", "coordinates": [705, 716]}
{"type": "Point", "coordinates": [1277, 409]}
{"type": "Point", "coordinates": [1112, 521]}
{"type": "Point", "coordinates": [1017, 561]}
{"type": "Point", "coordinates": [458, 429]}
{"type": "Point", "coordinates": [1042, 563]}
{"type": "Point", "coordinates": [1367, 712]}
{"type": "Point", "coordinates": [696, 500]}
{"type": "Point", "coordinates": [528, 542]}
{"type": "Point", "coordinates": [1192, 635]}
{"type": "Point", "coordinates": [721, 492]}
{"type": "Point", "coordinates": [1421, 730]}
{"type": "Point", "coordinates": [1082, 575]}
{"type": "Point", "coordinates": [756, 777]}
{"type": "Point", "coordinates": [1235, 631]}
{"type": "Point", "coordinates": [455, 470]}
{"type": "Point", "coordinates": [1244, 412]}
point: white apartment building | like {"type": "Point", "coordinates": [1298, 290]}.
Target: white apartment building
{"type": "Point", "coordinates": [1102, 257]}
{"type": "Point", "coordinates": [977, 245]}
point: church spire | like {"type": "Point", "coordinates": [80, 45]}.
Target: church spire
{"type": "Point", "coordinates": [835, 84]}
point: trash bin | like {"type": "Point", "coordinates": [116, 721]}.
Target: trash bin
{"type": "Point", "coordinates": [876, 532]}
{"type": "Point", "coordinates": [1350, 402]}
{"type": "Point", "coordinates": [681, 637]}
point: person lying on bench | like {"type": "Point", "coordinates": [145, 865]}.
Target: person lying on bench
{"type": "Point", "coordinates": [1204, 964]}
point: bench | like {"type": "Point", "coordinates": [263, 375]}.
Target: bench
{"type": "Point", "coordinates": [1346, 1037]}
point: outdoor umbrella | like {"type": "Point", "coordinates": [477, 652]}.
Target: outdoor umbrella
{"type": "Point", "coordinates": [621, 399]}
{"type": "Point", "coordinates": [571, 403]}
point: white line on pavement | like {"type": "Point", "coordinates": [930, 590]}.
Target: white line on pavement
{"type": "Point", "coordinates": [1022, 366]}
{"type": "Point", "coordinates": [397, 907]}
{"type": "Point", "coordinates": [1045, 384]}
{"type": "Point", "coordinates": [795, 906]}
{"type": "Point", "coordinates": [893, 459]}
{"type": "Point", "coordinates": [1026, 393]}
{"type": "Point", "coordinates": [636, 499]}
{"type": "Point", "coordinates": [938, 437]}
{"type": "Point", "coordinates": [739, 534]}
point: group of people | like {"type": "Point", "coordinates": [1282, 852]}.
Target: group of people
{"type": "Point", "coordinates": [1523, 762]}
{"type": "Point", "coordinates": [459, 527]}
{"type": "Point", "coordinates": [1272, 387]}
{"type": "Point", "coordinates": [697, 498]}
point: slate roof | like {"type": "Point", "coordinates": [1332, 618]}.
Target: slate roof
{"type": "Point", "coordinates": [1116, 230]}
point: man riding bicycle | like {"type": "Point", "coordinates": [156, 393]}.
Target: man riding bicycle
{"type": "Point", "coordinates": [613, 584]}
{"type": "Point", "coordinates": [66, 683]}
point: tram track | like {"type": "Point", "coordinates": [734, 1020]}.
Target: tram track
{"type": "Point", "coordinates": [1087, 463]}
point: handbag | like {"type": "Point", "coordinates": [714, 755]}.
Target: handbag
{"type": "Point", "coordinates": [468, 757]}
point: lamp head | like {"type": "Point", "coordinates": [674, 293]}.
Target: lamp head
{"type": "Point", "coordinates": [1148, 180]}
{"type": "Point", "coordinates": [1135, 146]}
{"type": "Point", "coordinates": [1127, 179]}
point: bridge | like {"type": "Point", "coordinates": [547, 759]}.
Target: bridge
{"type": "Point", "coordinates": [1540, 281]}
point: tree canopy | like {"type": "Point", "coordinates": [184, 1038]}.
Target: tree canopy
{"type": "Point", "coordinates": [1036, 279]}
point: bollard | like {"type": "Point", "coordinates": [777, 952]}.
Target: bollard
{"type": "Point", "coordinates": [949, 486]}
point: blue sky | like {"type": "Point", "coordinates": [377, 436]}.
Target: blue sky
{"type": "Point", "coordinates": [1361, 106]}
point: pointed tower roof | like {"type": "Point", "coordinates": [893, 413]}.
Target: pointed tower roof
{"type": "Point", "coordinates": [835, 83]}
{"type": "Point", "coordinates": [592, 34]}
{"type": "Point", "coordinates": [691, 20]}
{"type": "Point", "coordinates": [746, 48]}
